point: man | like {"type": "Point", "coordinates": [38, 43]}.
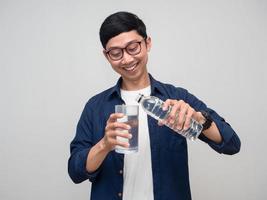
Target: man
{"type": "Point", "coordinates": [160, 168]}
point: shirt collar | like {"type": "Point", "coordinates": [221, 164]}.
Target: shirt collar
{"type": "Point", "coordinates": [156, 87]}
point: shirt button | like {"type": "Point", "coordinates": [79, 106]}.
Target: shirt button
{"type": "Point", "coordinates": [119, 194]}
{"type": "Point", "coordinates": [120, 171]}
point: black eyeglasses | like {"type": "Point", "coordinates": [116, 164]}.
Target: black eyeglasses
{"type": "Point", "coordinates": [116, 53]}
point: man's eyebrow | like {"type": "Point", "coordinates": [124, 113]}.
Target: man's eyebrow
{"type": "Point", "coordinates": [118, 47]}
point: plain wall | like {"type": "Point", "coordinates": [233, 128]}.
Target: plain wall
{"type": "Point", "coordinates": [51, 63]}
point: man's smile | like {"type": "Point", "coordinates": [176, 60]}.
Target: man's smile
{"type": "Point", "coordinates": [130, 68]}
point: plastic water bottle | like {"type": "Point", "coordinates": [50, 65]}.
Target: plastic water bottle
{"type": "Point", "coordinates": [153, 107]}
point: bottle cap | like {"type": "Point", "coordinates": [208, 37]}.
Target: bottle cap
{"type": "Point", "coordinates": [139, 97]}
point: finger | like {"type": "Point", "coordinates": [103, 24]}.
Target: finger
{"type": "Point", "coordinates": [122, 144]}
{"type": "Point", "coordinates": [112, 137]}
{"type": "Point", "coordinates": [114, 116]}
{"type": "Point", "coordinates": [114, 142]}
{"type": "Point", "coordinates": [189, 115]}
{"type": "Point", "coordinates": [182, 115]}
{"type": "Point", "coordinates": [197, 116]}
{"type": "Point", "coordinates": [116, 125]}
{"type": "Point", "coordinates": [123, 133]}
{"type": "Point", "coordinates": [174, 112]}
{"type": "Point", "coordinates": [169, 102]}
{"type": "Point", "coordinates": [121, 139]}
{"type": "Point", "coordinates": [166, 104]}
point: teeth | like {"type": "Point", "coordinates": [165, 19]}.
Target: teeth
{"type": "Point", "coordinates": [130, 68]}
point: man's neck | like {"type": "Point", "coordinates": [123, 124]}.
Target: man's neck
{"type": "Point", "coordinates": [136, 84]}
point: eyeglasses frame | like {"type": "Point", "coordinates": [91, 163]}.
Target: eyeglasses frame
{"type": "Point", "coordinates": [125, 49]}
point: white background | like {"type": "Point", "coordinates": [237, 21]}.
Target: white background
{"type": "Point", "coordinates": [51, 63]}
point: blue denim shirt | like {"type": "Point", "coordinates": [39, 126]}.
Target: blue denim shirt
{"type": "Point", "coordinates": [169, 154]}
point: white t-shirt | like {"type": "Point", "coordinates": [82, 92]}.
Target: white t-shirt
{"type": "Point", "coordinates": [137, 172]}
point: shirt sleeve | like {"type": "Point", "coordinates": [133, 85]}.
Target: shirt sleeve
{"type": "Point", "coordinates": [80, 147]}
{"type": "Point", "coordinates": [231, 143]}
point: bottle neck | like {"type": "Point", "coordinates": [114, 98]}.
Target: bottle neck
{"type": "Point", "coordinates": [139, 98]}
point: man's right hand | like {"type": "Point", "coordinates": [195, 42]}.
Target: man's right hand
{"type": "Point", "coordinates": [100, 150]}
{"type": "Point", "coordinates": [114, 129]}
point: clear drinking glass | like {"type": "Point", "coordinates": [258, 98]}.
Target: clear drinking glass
{"type": "Point", "coordinates": [130, 117]}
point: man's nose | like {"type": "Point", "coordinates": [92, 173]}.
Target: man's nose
{"type": "Point", "coordinates": [127, 58]}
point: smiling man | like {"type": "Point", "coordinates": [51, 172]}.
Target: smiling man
{"type": "Point", "coordinates": [160, 168]}
{"type": "Point", "coordinates": [132, 64]}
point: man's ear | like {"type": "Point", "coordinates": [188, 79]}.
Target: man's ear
{"type": "Point", "coordinates": [148, 43]}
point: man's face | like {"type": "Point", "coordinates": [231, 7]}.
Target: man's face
{"type": "Point", "coordinates": [128, 54]}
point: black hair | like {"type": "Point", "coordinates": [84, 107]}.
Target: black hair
{"type": "Point", "coordinates": [118, 23]}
